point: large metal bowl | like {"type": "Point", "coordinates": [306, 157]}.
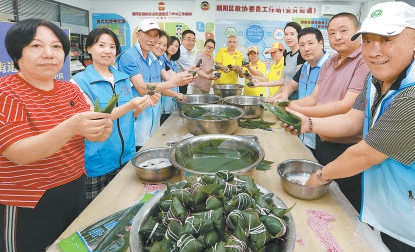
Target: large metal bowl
{"type": "Point", "coordinates": [205, 125]}
{"type": "Point", "coordinates": [153, 165]}
{"type": "Point", "coordinates": [224, 90]}
{"type": "Point", "coordinates": [198, 99]}
{"type": "Point", "coordinates": [151, 208]}
{"type": "Point", "coordinates": [294, 173]}
{"type": "Point", "coordinates": [250, 104]}
{"type": "Point", "coordinates": [187, 151]}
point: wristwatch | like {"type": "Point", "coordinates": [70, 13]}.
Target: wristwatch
{"type": "Point", "coordinates": [318, 175]}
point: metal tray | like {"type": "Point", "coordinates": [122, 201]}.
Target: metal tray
{"type": "Point", "coordinates": [152, 207]}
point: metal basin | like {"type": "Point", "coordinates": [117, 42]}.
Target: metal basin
{"type": "Point", "coordinates": [294, 173]}
{"type": "Point", "coordinates": [250, 104]}
{"type": "Point", "coordinates": [224, 90]}
{"type": "Point", "coordinates": [198, 99]}
{"type": "Point", "coordinates": [213, 121]}
{"type": "Point", "coordinates": [153, 165]}
{"type": "Point", "coordinates": [185, 154]}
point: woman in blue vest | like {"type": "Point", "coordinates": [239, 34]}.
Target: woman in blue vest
{"type": "Point", "coordinates": [385, 110]}
{"type": "Point", "coordinates": [99, 82]}
{"type": "Point", "coordinates": [167, 52]}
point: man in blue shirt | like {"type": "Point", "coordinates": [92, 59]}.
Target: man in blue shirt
{"type": "Point", "coordinates": [144, 71]}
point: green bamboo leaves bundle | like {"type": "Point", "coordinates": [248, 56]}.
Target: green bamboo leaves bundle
{"type": "Point", "coordinates": [110, 105]}
{"type": "Point", "coordinates": [199, 63]}
{"type": "Point", "coordinates": [151, 88]}
{"type": "Point", "coordinates": [238, 219]}
{"type": "Point", "coordinates": [284, 116]}
{"type": "Point", "coordinates": [194, 111]}
{"type": "Point", "coordinates": [192, 73]}
{"type": "Point", "coordinates": [255, 124]}
{"type": "Point", "coordinates": [250, 83]}
{"type": "Point", "coordinates": [248, 75]}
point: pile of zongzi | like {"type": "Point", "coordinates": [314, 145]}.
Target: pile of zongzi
{"type": "Point", "coordinates": [215, 213]}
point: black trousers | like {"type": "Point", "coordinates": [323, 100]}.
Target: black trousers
{"type": "Point", "coordinates": [395, 245]}
{"type": "Point", "coordinates": [163, 118]}
{"type": "Point", "coordinates": [351, 187]}
{"type": "Point", "coordinates": [27, 229]}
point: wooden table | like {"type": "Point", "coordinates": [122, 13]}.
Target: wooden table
{"type": "Point", "coordinates": [346, 230]}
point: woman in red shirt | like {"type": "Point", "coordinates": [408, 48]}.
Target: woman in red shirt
{"type": "Point", "coordinates": [43, 125]}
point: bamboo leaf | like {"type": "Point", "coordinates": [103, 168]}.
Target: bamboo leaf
{"type": "Point", "coordinates": [264, 165]}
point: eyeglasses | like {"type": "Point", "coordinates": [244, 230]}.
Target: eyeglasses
{"type": "Point", "coordinates": [190, 40]}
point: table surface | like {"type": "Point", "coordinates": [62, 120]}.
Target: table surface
{"type": "Point", "coordinates": [346, 231]}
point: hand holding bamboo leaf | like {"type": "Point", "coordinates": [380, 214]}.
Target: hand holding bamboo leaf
{"type": "Point", "coordinates": [109, 107]}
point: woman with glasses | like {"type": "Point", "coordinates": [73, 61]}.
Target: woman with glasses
{"type": "Point", "coordinates": [205, 75]}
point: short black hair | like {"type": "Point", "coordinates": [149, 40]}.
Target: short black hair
{"type": "Point", "coordinates": [211, 41]}
{"type": "Point", "coordinates": [311, 30]}
{"type": "Point", "coordinates": [185, 32]}
{"type": "Point", "coordinates": [175, 56]}
{"type": "Point", "coordinates": [22, 34]}
{"type": "Point", "coordinates": [95, 34]}
{"type": "Point", "coordinates": [352, 17]}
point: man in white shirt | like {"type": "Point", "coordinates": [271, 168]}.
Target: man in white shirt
{"type": "Point", "coordinates": [186, 59]}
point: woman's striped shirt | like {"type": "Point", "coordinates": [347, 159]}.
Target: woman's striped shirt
{"type": "Point", "coordinates": [26, 111]}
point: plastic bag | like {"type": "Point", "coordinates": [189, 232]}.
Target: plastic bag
{"type": "Point", "coordinates": [108, 234]}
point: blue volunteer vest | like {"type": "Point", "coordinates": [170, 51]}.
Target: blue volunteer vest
{"type": "Point", "coordinates": [148, 121]}
{"type": "Point", "coordinates": [387, 187]}
{"type": "Point", "coordinates": [168, 104]}
{"type": "Point", "coordinates": [306, 84]}
{"type": "Point", "coordinates": [104, 157]}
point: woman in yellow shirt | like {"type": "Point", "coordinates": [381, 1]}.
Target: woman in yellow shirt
{"type": "Point", "coordinates": [255, 68]}
{"type": "Point", "coordinates": [275, 72]}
